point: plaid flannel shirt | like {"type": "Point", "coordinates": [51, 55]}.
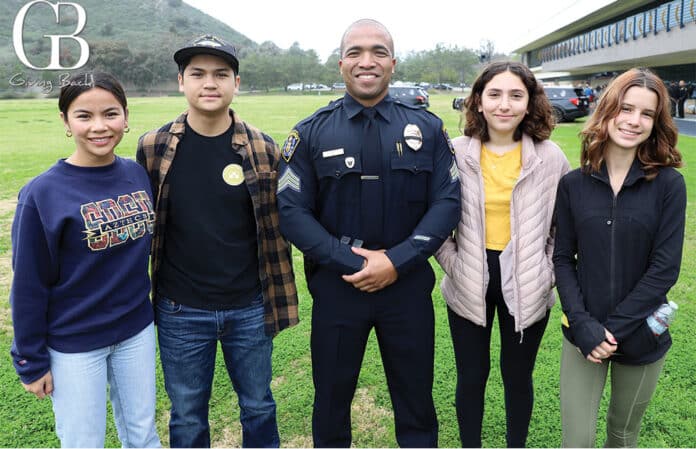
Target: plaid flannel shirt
{"type": "Point", "coordinates": [156, 151]}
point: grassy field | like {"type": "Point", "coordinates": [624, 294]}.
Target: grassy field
{"type": "Point", "coordinates": [33, 139]}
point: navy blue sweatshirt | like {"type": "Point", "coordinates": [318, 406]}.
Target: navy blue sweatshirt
{"type": "Point", "coordinates": [80, 245]}
{"type": "Point", "coordinates": [616, 257]}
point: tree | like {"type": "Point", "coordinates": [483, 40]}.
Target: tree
{"type": "Point", "coordinates": [261, 71]}
{"type": "Point", "coordinates": [486, 51]}
{"type": "Point", "coordinates": [113, 57]}
{"type": "Point", "coordinates": [331, 68]}
{"type": "Point", "coordinates": [441, 65]}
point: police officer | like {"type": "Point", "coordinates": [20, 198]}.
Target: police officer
{"type": "Point", "coordinates": [368, 191]}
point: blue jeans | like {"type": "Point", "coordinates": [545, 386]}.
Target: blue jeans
{"type": "Point", "coordinates": [79, 395]}
{"type": "Point", "coordinates": [188, 344]}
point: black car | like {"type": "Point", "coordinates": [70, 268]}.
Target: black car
{"type": "Point", "coordinates": [410, 95]}
{"type": "Point", "coordinates": [568, 102]}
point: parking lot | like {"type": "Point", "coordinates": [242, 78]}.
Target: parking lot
{"type": "Point", "coordinates": [687, 125]}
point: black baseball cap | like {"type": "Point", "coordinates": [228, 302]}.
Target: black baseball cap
{"type": "Point", "coordinates": [209, 45]}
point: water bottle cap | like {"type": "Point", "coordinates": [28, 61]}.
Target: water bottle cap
{"type": "Point", "coordinates": [673, 305]}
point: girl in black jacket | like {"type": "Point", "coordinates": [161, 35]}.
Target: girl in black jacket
{"type": "Point", "coordinates": [620, 232]}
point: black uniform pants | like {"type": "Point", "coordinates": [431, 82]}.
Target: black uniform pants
{"type": "Point", "coordinates": [404, 322]}
{"type": "Point", "coordinates": [472, 353]}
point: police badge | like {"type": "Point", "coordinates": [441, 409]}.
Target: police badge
{"type": "Point", "coordinates": [413, 137]}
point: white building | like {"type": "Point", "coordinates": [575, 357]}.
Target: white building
{"type": "Point", "coordinates": [595, 39]}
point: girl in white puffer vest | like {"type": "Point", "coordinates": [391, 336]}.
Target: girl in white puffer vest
{"type": "Point", "coordinates": [500, 256]}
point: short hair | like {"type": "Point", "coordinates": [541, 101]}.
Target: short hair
{"type": "Point", "coordinates": [81, 82]}
{"type": "Point", "coordinates": [658, 150]}
{"type": "Point", "coordinates": [538, 123]}
{"type": "Point", "coordinates": [371, 22]}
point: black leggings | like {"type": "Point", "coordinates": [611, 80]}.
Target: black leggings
{"type": "Point", "coordinates": [472, 353]}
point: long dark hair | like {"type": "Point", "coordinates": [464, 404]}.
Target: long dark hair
{"type": "Point", "coordinates": [538, 124]}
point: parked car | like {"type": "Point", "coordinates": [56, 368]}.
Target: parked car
{"type": "Point", "coordinates": [338, 86]}
{"type": "Point", "coordinates": [295, 87]}
{"type": "Point", "coordinates": [413, 95]}
{"type": "Point", "coordinates": [442, 86]}
{"type": "Point", "coordinates": [320, 88]}
{"type": "Point", "coordinates": [568, 102]}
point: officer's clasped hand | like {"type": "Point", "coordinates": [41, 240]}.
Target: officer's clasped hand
{"type": "Point", "coordinates": [377, 273]}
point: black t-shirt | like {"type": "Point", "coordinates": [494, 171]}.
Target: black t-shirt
{"type": "Point", "coordinates": [210, 249]}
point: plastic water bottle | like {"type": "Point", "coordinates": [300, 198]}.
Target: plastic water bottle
{"type": "Point", "coordinates": [660, 319]}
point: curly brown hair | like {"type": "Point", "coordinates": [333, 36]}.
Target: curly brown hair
{"type": "Point", "coordinates": [538, 123]}
{"type": "Point", "coordinates": [658, 150]}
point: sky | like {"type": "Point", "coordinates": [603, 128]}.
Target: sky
{"type": "Point", "coordinates": [419, 26]}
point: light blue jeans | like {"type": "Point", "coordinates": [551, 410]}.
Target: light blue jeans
{"type": "Point", "coordinates": [79, 396]}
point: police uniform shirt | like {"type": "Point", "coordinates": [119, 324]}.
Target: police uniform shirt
{"type": "Point", "coordinates": [319, 189]}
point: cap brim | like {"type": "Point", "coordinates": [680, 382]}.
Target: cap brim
{"type": "Point", "coordinates": [183, 55]}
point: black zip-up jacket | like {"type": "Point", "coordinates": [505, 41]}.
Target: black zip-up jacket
{"type": "Point", "coordinates": [616, 257]}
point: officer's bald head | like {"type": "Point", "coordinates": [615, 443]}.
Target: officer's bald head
{"type": "Point", "coordinates": [371, 23]}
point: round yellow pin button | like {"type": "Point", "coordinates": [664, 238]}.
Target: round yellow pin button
{"type": "Point", "coordinates": [233, 175]}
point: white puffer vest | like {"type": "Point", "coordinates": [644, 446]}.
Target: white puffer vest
{"type": "Point", "coordinates": [526, 267]}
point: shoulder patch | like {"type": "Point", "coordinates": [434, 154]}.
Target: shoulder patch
{"type": "Point", "coordinates": [447, 138]}
{"type": "Point", "coordinates": [289, 180]}
{"type": "Point", "coordinates": [290, 145]}
{"type": "Point", "coordinates": [453, 171]}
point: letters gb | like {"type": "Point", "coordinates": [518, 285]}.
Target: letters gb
{"type": "Point", "coordinates": [54, 63]}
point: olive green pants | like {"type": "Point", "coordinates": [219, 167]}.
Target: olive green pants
{"type": "Point", "coordinates": [582, 384]}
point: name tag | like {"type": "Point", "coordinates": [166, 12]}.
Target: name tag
{"type": "Point", "coordinates": [332, 153]}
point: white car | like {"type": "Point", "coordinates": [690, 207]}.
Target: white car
{"type": "Point", "coordinates": [295, 87]}
{"type": "Point", "coordinates": [320, 88]}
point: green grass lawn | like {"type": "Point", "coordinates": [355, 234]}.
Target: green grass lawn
{"type": "Point", "coordinates": [33, 139]}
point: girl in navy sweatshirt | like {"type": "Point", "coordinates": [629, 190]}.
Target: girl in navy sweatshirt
{"type": "Point", "coordinates": [619, 237]}
{"type": "Point", "coordinates": [80, 244]}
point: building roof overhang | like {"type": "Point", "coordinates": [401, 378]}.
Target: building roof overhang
{"type": "Point", "coordinates": [581, 16]}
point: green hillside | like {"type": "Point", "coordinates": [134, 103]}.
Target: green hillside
{"type": "Point", "coordinates": [131, 38]}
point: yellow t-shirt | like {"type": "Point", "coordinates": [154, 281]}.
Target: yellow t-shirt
{"type": "Point", "coordinates": [500, 173]}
